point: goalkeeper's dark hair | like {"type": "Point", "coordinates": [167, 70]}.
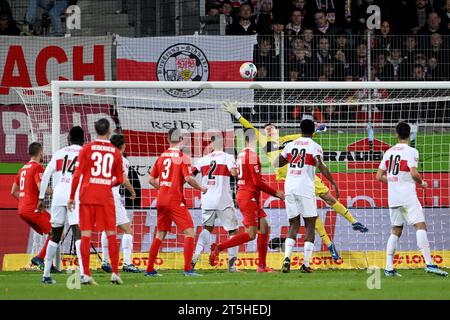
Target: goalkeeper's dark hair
{"type": "Point", "coordinates": [118, 140]}
{"type": "Point", "coordinates": [34, 149]}
{"type": "Point", "coordinates": [102, 126]}
{"type": "Point", "coordinates": [403, 130]}
{"type": "Point", "coordinates": [270, 124]}
{"type": "Point", "coordinates": [174, 135]}
{"type": "Point", "coordinates": [250, 135]}
{"type": "Point", "coordinates": [307, 126]}
{"type": "Point", "coordinates": [76, 135]}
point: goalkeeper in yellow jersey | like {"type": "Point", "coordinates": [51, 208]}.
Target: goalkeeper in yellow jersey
{"type": "Point", "coordinates": [273, 144]}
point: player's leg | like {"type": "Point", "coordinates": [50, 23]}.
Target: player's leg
{"type": "Point", "coordinates": [204, 238]}
{"type": "Point", "coordinates": [76, 232]}
{"type": "Point", "coordinates": [229, 221]}
{"type": "Point", "coordinates": [263, 243]}
{"type": "Point", "coordinates": [164, 223]}
{"type": "Point", "coordinates": [293, 214]}
{"type": "Point", "coordinates": [39, 222]}
{"type": "Point", "coordinates": [106, 266]}
{"type": "Point", "coordinates": [87, 218]}
{"type": "Point", "coordinates": [308, 246]}
{"type": "Point", "coordinates": [415, 216]}
{"type": "Point", "coordinates": [397, 220]}
{"type": "Point", "coordinates": [188, 249]}
{"type": "Point", "coordinates": [321, 231]}
{"type": "Point", "coordinates": [323, 192]}
{"type": "Point", "coordinates": [127, 248]}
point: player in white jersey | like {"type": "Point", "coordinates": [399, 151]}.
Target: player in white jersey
{"type": "Point", "coordinates": [302, 155]}
{"type": "Point", "coordinates": [399, 170]}
{"type": "Point", "coordinates": [61, 168]}
{"type": "Point", "coordinates": [216, 169]}
{"type": "Point", "coordinates": [122, 219]}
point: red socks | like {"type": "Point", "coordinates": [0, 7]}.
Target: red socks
{"type": "Point", "coordinates": [235, 241]}
{"type": "Point", "coordinates": [262, 245]}
{"type": "Point", "coordinates": [85, 248]}
{"type": "Point", "coordinates": [43, 251]}
{"type": "Point", "coordinates": [188, 252]}
{"type": "Point", "coordinates": [113, 249]}
{"type": "Point", "coordinates": [154, 249]}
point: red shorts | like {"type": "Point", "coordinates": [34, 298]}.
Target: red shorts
{"type": "Point", "coordinates": [40, 222]}
{"type": "Point", "coordinates": [97, 217]}
{"type": "Point", "coordinates": [177, 213]}
{"type": "Point", "coordinates": [251, 212]}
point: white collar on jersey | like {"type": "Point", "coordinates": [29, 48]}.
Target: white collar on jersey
{"type": "Point", "coordinates": [102, 140]}
{"type": "Point", "coordinates": [174, 148]}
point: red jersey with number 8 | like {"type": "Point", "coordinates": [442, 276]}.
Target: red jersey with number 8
{"type": "Point", "coordinates": [100, 165]}
{"type": "Point", "coordinates": [171, 168]}
{"type": "Point", "coordinates": [28, 180]}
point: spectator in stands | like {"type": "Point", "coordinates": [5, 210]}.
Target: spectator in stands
{"type": "Point", "coordinates": [385, 71]}
{"type": "Point", "coordinates": [8, 26]}
{"type": "Point", "coordinates": [264, 17]}
{"type": "Point", "coordinates": [446, 16]}
{"type": "Point", "coordinates": [423, 10]}
{"type": "Point", "coordinates": [277, 29]}
{"type": "Point", "coordinates": [299, 60]}
{"type": "Point", "coordinates": [396, 60]}
{"type": "Point", "coordinates": [330, 8]}
{"type": "Point", "coordinates": [55, 9]}
{"type": "Point", "coordinates": [327, 73]}
{"type": "Point", "coordinates": [213, 11]}
{"type": "Point", "coordinates": [308, 38]}
{"type": "Point", "coordinates": [361, 15]}
{"type": "Point", "coordinates": [262, 73]}
{"type": "Point", "coordinates": [385, 38]}
{"type": "Point", "coordinates": [302, 5]}
{"type": "Point", "coordinates": [360, 61]}
{"type": "Point", "coordinates": [293, 74]}
{"type": "Point", "coordinates": [433, 25]}
{"type": "Point", "coordinates": [295, 27]}
{"type": "Point", "coordinates": [323, 54]}
{"type": "Point", "coordinates": [418, 73]}
{"type": "Point", "coordinates": [342, 65]}
{"type": "Point", "coordinates": [343, 45]}
{"type": "Point", "coordinates": [227, 10]}
{"type": "Point", "coordinates": [5, 8]}
{"type": "Point", "coordinates": [322, 26]}
{"type": "Point", "coordinates": [244, 25]}
{"type": "Point", "coordinates": [265, 56]}
{"type": "Point", "coordinates": [411, 47]}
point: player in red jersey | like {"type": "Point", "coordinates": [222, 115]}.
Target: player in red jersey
{"type": "Point", "coordinates": [100, 164]}
{"type": "Point", "coordinates": [170, 172]}
{"type": "Point", "coordinates": [26, 189]}
{"type": "Point", "coordinates": [250, 185]}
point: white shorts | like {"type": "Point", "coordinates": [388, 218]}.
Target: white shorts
{"type": "Point", "coordinates": [60, 214]}
{"type": "Point", "coordinates": [121, 214]}
{"type": "Point", "coordinates": [409, 213]}
{"type": "Point", "coordinates": [299, 205]}
{"type": "Point", "coordinates": [227, 218]}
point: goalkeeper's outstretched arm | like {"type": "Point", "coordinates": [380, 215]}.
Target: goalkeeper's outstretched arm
{"type": "Point", "coordinates": [232, 108]}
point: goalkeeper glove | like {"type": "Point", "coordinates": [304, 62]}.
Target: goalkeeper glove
{"type": "Point", "coordinates": [231, 108]}
{"type": "Point", "coordinates": [321, 128]}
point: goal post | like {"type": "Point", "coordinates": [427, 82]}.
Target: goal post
{"type": "Point", "coordinates": [359, 118]}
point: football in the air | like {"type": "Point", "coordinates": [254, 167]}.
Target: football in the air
{"type": "Point", "coordinates": [248, 70]}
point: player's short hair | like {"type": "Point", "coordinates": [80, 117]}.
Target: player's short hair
{"type": "Point", "coordinates": [34, 149]}
{"type": "Point", "coordinates": [250, 135]}
{"type": "Point", "coordinates": [307, 126]}
{"type": "Point", "coordinates": [76, 135]}
{"type": "Point", "coordinates": [102, 126]}
{"type": "Point", "coordinates": [270, 124]}
{"type": "Point", "coordinates": [403, 130]}
{"type": "Point", "coordinates": [217, 140]}
{"type": "Point", "coordinates": [174, 135]}
{"type": "Point", "coordinates": [118, 140]}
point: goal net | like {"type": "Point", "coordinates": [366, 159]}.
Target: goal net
{"type": "Point", "coordinates": [355, 122]}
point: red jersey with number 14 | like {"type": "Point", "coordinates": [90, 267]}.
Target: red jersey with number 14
{"type": "Point", "coordinates": [28, 180]}
{"type": "Point", "coordinates": [172, 167]}
{"type": "Point", "coordinates": [100, 165]}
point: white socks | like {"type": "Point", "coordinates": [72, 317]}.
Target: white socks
{"type": "Point", "coordinates": [51, 252]}
{"type": "Point", "coordinates": [127, 248]}
{"type": "Point", "coordinates": [288, 246]}
{"type": "Point", "coordinates": [390, 251]}
{"type": "Point", "coordinates": [308, 247]}
{"type": "Point", "coordinates": [232, 253]}
{"type": "Point", "coordinates": [204, 240]}
{"type": "Point", "coordinates": [80, 262]}
{"type": "Point", "coordinates": [105, 252]}
{"type": "Point", "coordinates": [424, 245]}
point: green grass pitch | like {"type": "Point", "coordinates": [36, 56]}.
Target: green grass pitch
{"type": "Point", "coordinates": [322, 284]}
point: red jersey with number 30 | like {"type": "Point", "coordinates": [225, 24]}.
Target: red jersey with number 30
{"type": "Point", "coordinates": [172, 167]}
{"type": "Point", "coordinates": [100, 165]}
{"type": "Point", "coordinates": [250, 177]}
{"type": "Point", "coordinates": [28, 180]}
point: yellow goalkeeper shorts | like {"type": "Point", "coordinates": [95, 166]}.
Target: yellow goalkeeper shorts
{"type": "Point", "coordinates": [321, 188]}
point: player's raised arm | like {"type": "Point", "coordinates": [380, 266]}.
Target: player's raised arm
{"type": "Point", "coordinates": [326, 173]}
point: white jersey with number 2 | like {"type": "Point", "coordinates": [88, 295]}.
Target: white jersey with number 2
{"type": "Point", "coordinates": [215, 169]}
{"type": "Point", "coordinates": [397, 162]}
{"type": "Point", "coordinates": [61, 166]}
{"type": "Point", "coordinates": [301, 154]}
